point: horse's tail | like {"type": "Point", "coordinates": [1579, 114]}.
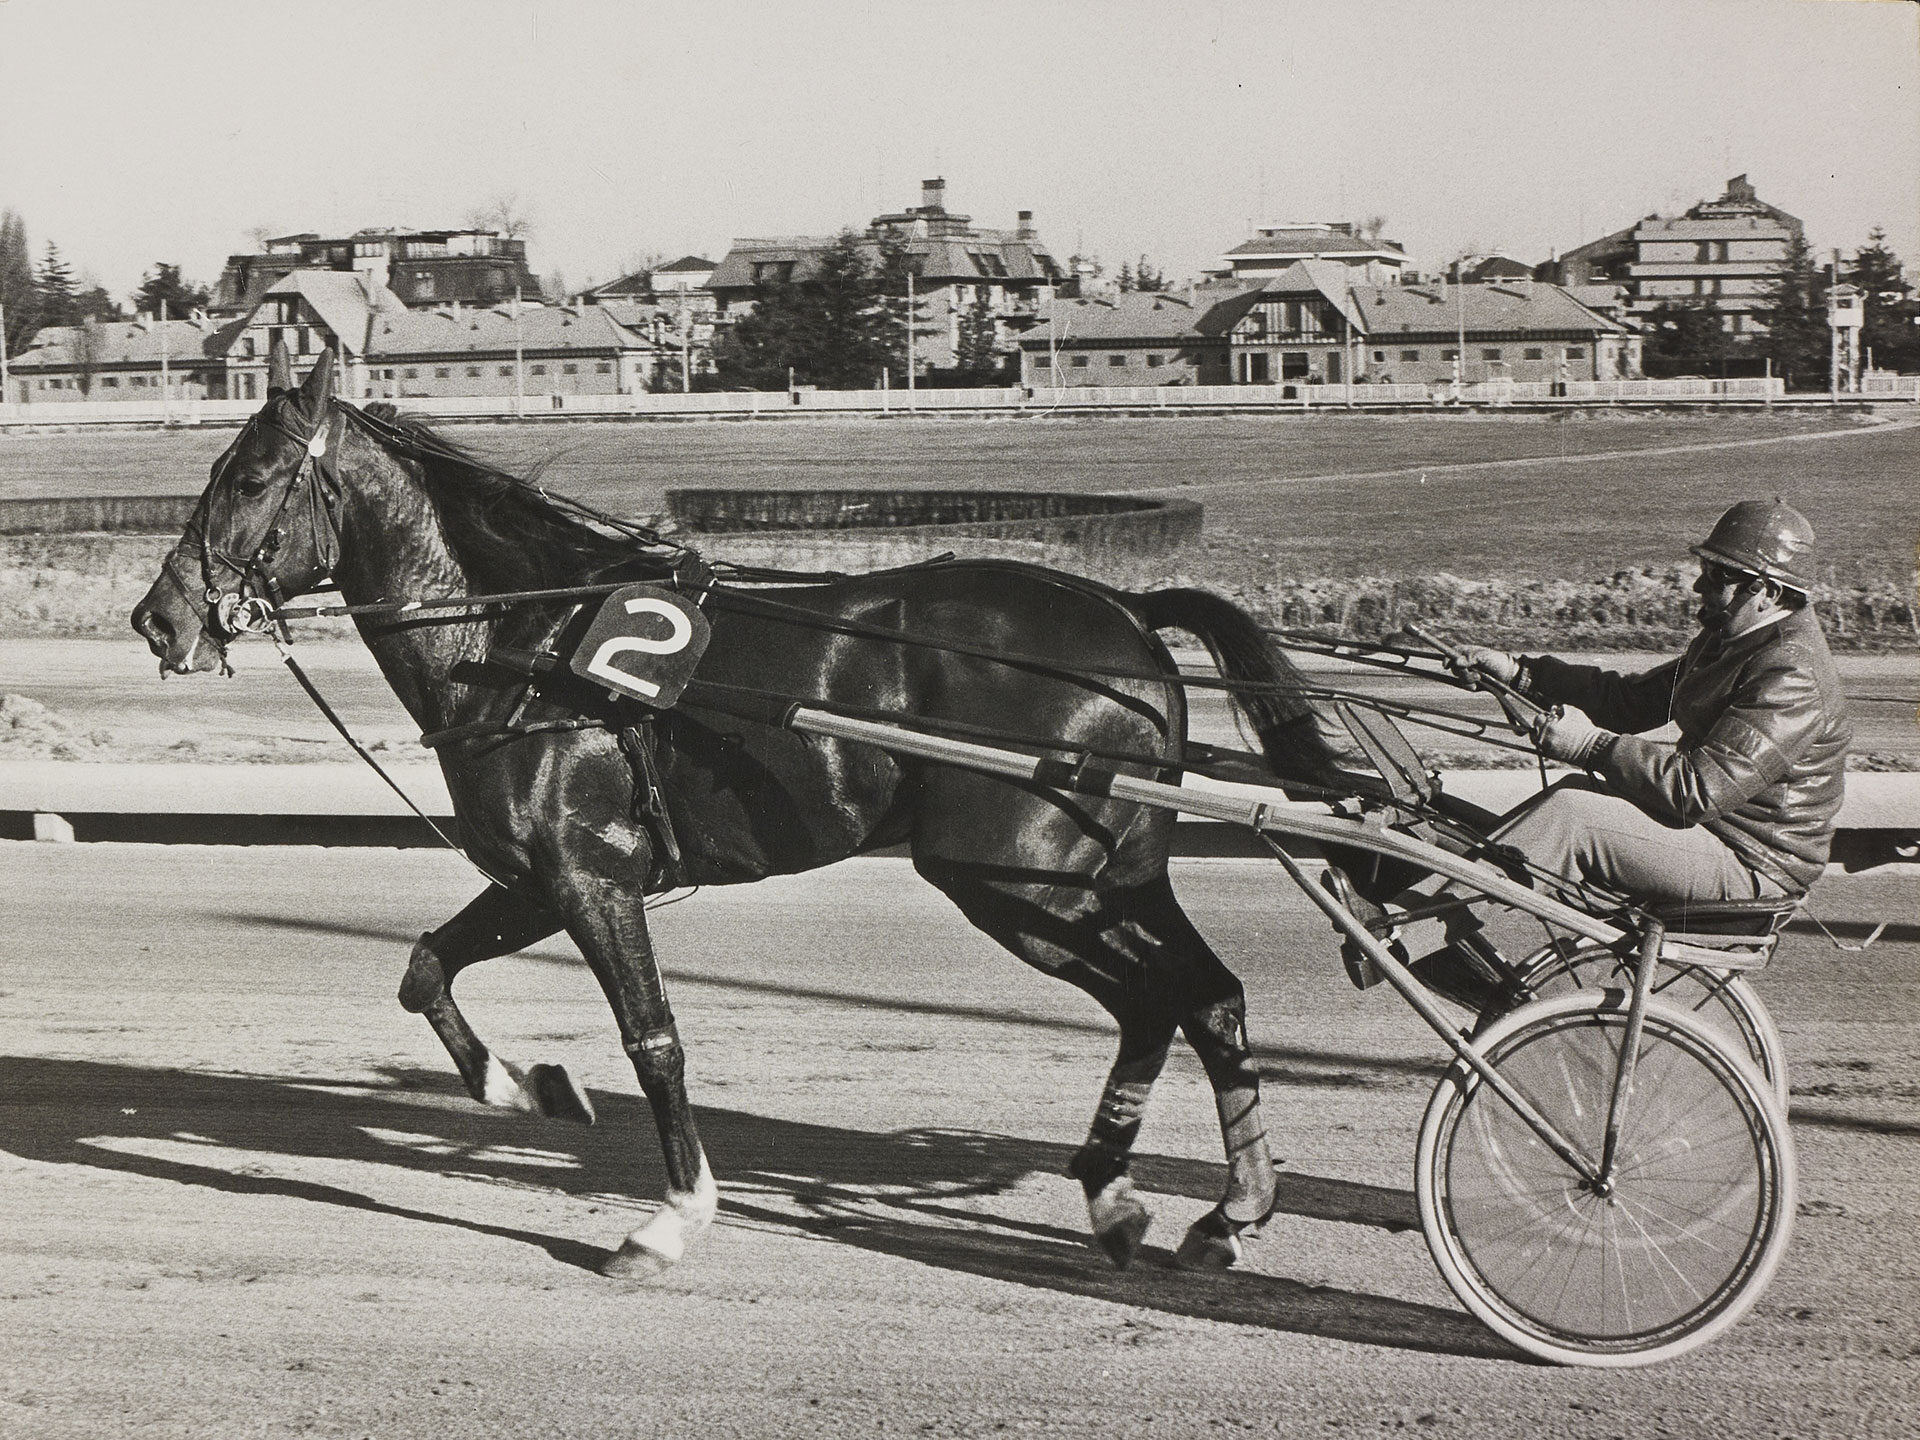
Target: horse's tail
{"type": "Point", "coordinates": [1268, 687]}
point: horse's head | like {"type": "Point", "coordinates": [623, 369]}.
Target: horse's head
{"type": "Point", "coordinates": [265, 528]}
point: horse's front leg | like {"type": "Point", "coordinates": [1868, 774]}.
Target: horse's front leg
{"type": "Point", "coordinates": [495, 922]}
{"type": "Point", "coordinates": [599, 894]}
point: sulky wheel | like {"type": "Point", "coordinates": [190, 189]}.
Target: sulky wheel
{"type": "Point", "coordinates": [1701, 1204]}
{"type": "Point", "coordinates": [1724, 1002]}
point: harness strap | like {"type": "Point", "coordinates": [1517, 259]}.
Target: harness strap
{"type": "Point", "coordinates": [650, 804]}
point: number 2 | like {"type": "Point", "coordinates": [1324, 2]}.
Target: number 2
{"type": "Point", "coordinates": [680, 632]}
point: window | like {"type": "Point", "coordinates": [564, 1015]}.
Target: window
{"type": "Point", "coordinates": [246, 346]}
{"type": "Point", "coordinates": [1406, 355]}
{"type": "Point", "coordinates": [1449, 354]}
{"type": "Point", "coordinates": [1254, 369]}
{"type": "Point", "coordinates": [1380, 356]}
{"type": "Point", "coordinates": [1489, 354]}
{"type": "Point", "coordinates": [569, 369]}
{"type": "Point", "coordinates": [1535, 353]}
{"type": "Point", "coordinates": [409, 374]}
{"type": "Point", "coordinates": [539, 369]}
{"type": "Point", "coordinates": [136, 380]}
{"type": "Point", "coordinates": [506, 369]}
{"type": "Point", "coordinates": [1116, 359]}
{"type": "Point", "coordinates": [1153, 360]}
{"type": "Point", "coordinates": [442, 372]}
{"type": "Point", "coordinates": [603, 367]}
{"type": "Point", "coordinates": [1295, 365]}
{"type": "Point", "coordinates": [1079, 362]}
{"type": "Point", "coordinates": [472, 371]}
{"type": "Point", "coordinates": [111, 382]}
{"type": "Point", "coordinates": [1576, 352]}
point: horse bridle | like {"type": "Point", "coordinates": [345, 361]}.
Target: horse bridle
{"type": "Point", "coordinates": [249, 607]}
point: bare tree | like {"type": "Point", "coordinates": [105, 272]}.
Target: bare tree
{"type": "Point", "coordinates": [1372, 226]}
{"type": "Point", "coordinates": [503, 216]}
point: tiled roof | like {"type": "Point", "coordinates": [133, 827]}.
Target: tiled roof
{"type": "Point", "coordinates": [492, 331]}
{"type": "Point", "coordinates": [685, 264]}
{"type": "Point", "coordinates": [1329, 279]}
{"type": "Point", "coordinates": [344, 300]}
{"type": "Point", "coordinates": [130, 342]}
{"type": "Point", "coordinates": [1165, 317]}
{"type": "Point", "coordinates": [943, 259]}
{"type": "Point", "coordinates": [1311, 241]}
{"type": "Point", "coordinates": [1414, 309]}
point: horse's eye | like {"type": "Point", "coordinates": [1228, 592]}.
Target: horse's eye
{"type": "Point", "coordinates": [250, 487]}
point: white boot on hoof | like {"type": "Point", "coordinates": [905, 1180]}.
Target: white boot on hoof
{"type": "Point", "coordinates": [1119, 1221]}
{"type": "Point", "coordinates": [661, 1242]}
{"type": "Point", "coordinates": [1212, 1243]}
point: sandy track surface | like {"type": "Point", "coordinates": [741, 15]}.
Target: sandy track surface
{"type": "Point", "coordinates": [245, 1197]}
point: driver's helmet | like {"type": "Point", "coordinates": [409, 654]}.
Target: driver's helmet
{"type": "Point", "coordinates": [1763, 537]}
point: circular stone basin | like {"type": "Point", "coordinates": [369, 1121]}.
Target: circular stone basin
{"type": "Point", "coordinates": [1114, 522]}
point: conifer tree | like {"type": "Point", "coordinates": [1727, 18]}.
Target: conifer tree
{"type": "Point", "coordinates": [1794, 311]}
{"type": "Point", "coordinates": [18, 294]}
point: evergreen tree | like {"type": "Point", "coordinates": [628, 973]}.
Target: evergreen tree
{"type": "Point", "coordinates": [977, 357]}
{"type": "Point", "coordinates": [163, 282]}
{"type": "Point", "coordinates": [1891, 332]}
{"type": "Point", "coordinates": [18, 294]}
{"type": "Point", "coordinates": [1124, 280]}
{"type": "Point", "coordinates": [1684, 337]}
{"type": "Point", "coordinates": [1794, 310]}
{"type": "Point", "coordinates": [54, 284]}
{"type": "Point", "coordinates": [94, 303]}
{"type": "Point", "coordinates": [1149, 277]}
{"type": "Point", "coordinates": [834, 325]}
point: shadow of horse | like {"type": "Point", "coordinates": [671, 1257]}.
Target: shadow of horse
{"type": "Point", "coordinates": [888, 1193]}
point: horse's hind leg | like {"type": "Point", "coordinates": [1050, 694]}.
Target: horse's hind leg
{"type": "Point", "coordinates": [1135, 951]}
{"type": "Point", "coordinates": [494, 923]}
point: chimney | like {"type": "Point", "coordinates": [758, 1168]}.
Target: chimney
{"type": "Point", "coordinates": [1023, 230]}
{"type": "Point", "coordinates": [933, 194]}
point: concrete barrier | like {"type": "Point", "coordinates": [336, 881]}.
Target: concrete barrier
{"type": "Point", "coordinates": [345, 803]}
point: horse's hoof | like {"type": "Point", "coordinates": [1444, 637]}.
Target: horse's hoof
{"type": "Point", "coordinates": [635, 1262]}
{"type": "Point", "coordinates": [1120, 1221]}
{"type": "Point", "coordinates": [1212, 1243]}
{"type": "Point", "coordinates": [557, 1096]}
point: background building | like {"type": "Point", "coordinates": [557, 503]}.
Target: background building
{"type": "Point", "coordinates": [422, 267]}
{"type": "Point", "coordinates": [1274, 249]}
{"type": "Point", "coordinates": [956, 265]}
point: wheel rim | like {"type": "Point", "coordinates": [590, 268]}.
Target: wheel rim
{"type": "Point", "coordinates": [1726, 1005]}
{"type": "Point", "coordinates": [1673, 1254]}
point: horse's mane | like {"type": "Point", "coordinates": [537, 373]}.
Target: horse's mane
{"type": "Point", "coordinates": [505, 529]}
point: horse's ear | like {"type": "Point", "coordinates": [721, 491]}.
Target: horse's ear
{"type": "Point", "coordinates": [279, 369]}
{"type": "Point", "coordinates": [318, 389]}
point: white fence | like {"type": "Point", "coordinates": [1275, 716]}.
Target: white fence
{"type": "Point", "coordinates": [1016, 400]}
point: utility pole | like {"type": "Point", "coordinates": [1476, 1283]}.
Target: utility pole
{"type": "Point", "coordinates": [3, 355]}
{"type": "Point", "coordinates": [519, 361]}
{"type": "Point", "coordinates": [1460, 355]}
{"type": "Point", "coordinates": [910, 304]}
{"type": "Point", "coordinates": [166, 395]}
{"type": "Point", "coordinates": [1833, 334]}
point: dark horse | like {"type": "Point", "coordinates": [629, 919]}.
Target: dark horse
{"type": "Point", "coordinates": [1074, 885]}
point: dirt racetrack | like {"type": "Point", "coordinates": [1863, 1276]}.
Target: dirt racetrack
{"type": "Point", "coordinates": [244, 1196]}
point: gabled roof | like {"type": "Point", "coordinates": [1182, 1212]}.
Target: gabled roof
{"type": "Point", "coordinates": [1387, 310]}
{"type": "Point", "coordinates": [343, 299]}
{"type": "Point", "coordinates": [1144, 317]}
{"type": "Point", "coordinates": [1280, 242]}
{"type": "Point", "coordinates": [1331, 280]}
{"type": "Point", "coordinates": [686, 264]}
{"type": "Point", "coordinates": [492, 331]}
{"type": "Point", "coordinates": [944, 259]}
{"type": "Point", "coordinates": [129, 342]}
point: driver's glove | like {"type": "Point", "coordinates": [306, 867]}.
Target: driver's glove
{"type": "Point", "coordinates": [1571, 738]}
{"type": "Point", "coordinates": [1497, 663]}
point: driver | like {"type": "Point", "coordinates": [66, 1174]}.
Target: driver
{"type": "Point", "coordinates": [1741, 805]}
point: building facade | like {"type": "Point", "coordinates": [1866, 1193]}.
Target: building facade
{"type": "Point", "coordinates": [1305, 327]}
{"type": "Point", "coordinates": [137, 359]}
{"type": "Point", "coordinates": [423, 268]}
{"type": "Point", "coordinates": [956, 266]}
{"type": "Point", "coordinates": [1274, 249]}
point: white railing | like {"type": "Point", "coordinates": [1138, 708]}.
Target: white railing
{"type": "Point", "coordinates": [1281, 397]}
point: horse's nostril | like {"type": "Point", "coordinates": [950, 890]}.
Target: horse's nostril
{"type": "Point", "coordinates": [153, 626]}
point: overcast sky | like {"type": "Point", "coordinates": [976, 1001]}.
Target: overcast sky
{"type": "Point", "coordinates": [131, 133]}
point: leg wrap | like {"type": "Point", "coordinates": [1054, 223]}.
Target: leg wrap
{"type": "Point", "coordinates": [425, 981]}
{"type": "Point", "coordinates": [1123, 1105]}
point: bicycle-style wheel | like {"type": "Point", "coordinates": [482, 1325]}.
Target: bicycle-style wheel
{"type": "Point", "coordinates": [1700, 1209]}
{"type": "Point", "coordinates": [1724, 1002]}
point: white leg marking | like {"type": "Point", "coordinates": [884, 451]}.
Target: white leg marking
{"type": "Point", "coordinates": [501, 1087]}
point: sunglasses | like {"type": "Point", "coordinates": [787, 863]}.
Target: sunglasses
{"type": "Point", "coordinates": [1726, 575]}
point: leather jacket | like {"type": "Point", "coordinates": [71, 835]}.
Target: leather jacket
{"type": "Point", "coordinates": [1762, 756]}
